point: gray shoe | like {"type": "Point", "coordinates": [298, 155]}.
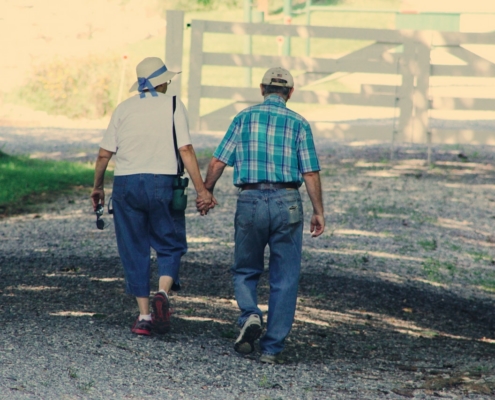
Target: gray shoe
{"type": "Point", "coordinates": [272, 358]}
{"type": "Point", "coordinates": [251, 330]}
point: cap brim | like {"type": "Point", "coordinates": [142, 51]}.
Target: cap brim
{"type": "Point", "coordinates": [165, 77]}
{"type": "Point", "coordinates": [269, 82]}
{"type": "Point", "coordinates": [278, 84]}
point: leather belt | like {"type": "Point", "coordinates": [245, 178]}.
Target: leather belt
{"type": "Point", "coordinates": [269, 186]}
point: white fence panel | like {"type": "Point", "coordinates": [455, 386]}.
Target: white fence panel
{"type": "Point", "coordinates": [411, 97]}
{"type": "Point", "coordinates": [476, 67]}
{"type": "Point", "coordinates": [374, 58]}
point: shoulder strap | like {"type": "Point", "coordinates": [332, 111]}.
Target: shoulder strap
{"type": "Point", "coordinates": [180, 164]}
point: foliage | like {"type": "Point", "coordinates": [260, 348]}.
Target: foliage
{"type": "Point", "coordinates": [85, 87]}
{"type": "Point", "coordinates": [22, 176]}
{"type": "Point", "coordinates": [88, 87]}
{"type": "Point", "coordinates": [198, 5]}
{"type": "Point", "coordinates": [275, 6]}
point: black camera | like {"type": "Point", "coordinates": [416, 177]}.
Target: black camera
{"type": "Point", "coordinates": [100, 223]}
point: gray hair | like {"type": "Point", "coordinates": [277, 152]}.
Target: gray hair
{"type": "Point", "coordinates": [270, 89]}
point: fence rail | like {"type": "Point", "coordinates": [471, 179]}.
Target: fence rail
{"type": "Point", "coordinates": [405, 54]}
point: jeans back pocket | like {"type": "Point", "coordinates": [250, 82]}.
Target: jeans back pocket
{"type": "Point", "coordinates": [294, 214]}
{"type": "Point", "coordinates": [245, 213]}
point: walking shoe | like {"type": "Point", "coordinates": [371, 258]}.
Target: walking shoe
{"type": "Point", "coordinates": [271, 358]}
{"type": "Point", "coordinates": [251, 330]}
{"type": "Point", "coordinates": [160, 317]}
{"type": "Point", "coordinates": [142, 327]}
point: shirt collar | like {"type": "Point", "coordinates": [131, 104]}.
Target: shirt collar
{"type": "Point", "coordinates": [275, 99]}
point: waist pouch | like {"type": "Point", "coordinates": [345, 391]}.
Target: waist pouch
{"type": "Point", "coordinates": [179, 198]}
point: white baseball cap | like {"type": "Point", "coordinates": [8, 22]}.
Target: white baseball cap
{"type": "Point", "coordinates": [154, 70]}
{"type": "Point", "coordinates": [278, 73]}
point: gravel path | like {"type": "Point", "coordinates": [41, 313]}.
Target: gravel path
{"type": "Point", "coordinates": [396, 300]}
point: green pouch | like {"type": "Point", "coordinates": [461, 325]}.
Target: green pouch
{"type": "Point", "coordinates": [179, 198]}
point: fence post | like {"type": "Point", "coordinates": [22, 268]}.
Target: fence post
{"type": "Point", "coordinates": [406, 92]}
{"type": "Point", "coordinates": [421, 132]}
{"type": "Point", "coordinates": [308, 23]}
{"type": "Point", "coordinates": [287, 21]}
{"type": "Point", "coordinates": [248, 40]}
{"type": "Point", "coordinates": [195, 66]}
{"type": "Point", "coordinates": [122, 78]}
{"type": "Point", "coordinates": [174, 48]}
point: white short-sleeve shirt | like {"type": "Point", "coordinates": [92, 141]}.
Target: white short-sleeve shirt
{"type": "Point", "coordinates": [141, 136]}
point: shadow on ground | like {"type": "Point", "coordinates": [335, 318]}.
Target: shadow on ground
{"type": "Point", "coordinates": [355, 318]}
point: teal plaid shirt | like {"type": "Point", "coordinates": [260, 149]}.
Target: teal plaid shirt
{"type": "Point", "coordinates": [268, 143]}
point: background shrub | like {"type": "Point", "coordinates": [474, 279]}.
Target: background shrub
{"type": "Point", "coordinates": [78, 88]}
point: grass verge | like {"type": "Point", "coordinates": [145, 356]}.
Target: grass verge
{"type": "Point", "coordinates": [25, 181]}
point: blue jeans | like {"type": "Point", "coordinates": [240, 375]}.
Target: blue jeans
{"type": "Point", "coordinates": [143, 219]}
{"type": "Point", "coordinates": [273, 218]}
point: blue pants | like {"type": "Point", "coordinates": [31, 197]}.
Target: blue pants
{"type": "Point", "coordinates": [143, 219]}
{"type": "Point", "coordinates": [273, 218]}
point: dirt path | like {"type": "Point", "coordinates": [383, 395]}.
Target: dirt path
{"type": "Point", "coordinates": [397, 299]}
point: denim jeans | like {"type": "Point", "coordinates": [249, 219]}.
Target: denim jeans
{"type": "Point", "coordinates": [273, 218]}
{"type": "Point", "coordinates": [143, 219]}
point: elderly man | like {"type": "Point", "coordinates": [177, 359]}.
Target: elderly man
{"type": "Point", "coordinates": [272, 151]}
{"type": "Point", "coordinates": [141, 134]}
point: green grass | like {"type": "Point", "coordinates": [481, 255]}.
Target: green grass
{"type": "Point", "coordinates": [428, 245]}
{"type": "Point", "coordinates": [72, 373]}
{"type": "Point", "coordinates": [21, 176]}
{"type": "Point", "coordinates": [437, 270]}
{"type": "Point", "coordinates": [480, 256]}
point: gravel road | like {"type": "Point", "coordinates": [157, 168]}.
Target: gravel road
{"type": "Point", "coordinates": [396, 299]}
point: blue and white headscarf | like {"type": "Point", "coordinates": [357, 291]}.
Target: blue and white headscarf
{"type": "Point", "coordinates": [144, 83]}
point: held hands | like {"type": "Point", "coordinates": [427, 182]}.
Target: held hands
{"type": "Point", "coordinates": [205, 202]}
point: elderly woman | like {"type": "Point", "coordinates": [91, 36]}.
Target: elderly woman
{"type": "Point", "coordinates": [146, 133]}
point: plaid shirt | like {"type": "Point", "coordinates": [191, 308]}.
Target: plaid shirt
{"type": "Point", "coordinates": [268, 143]}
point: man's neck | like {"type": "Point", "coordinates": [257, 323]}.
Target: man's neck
{"type": "Point", "coordinates": [276, 94]}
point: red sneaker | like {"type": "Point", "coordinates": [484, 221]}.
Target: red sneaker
{"type": "Point", "coordinates": [160, 318]}
{"type": "Point", "coordinates": [142, 327]}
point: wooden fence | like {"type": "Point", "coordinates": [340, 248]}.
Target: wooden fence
{"type": "Point", "coordinates": [410, 99]}
{"type": "Point", "coordinates": [473, 65]}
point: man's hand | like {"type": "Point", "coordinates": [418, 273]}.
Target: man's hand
{"type": "Point", "coordinates": [317, 225]}
{"type": "Point", "coordinates": [97, 197]}
{"type": "Point", "coordinates": [313, 186]}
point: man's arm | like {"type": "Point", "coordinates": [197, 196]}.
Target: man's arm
{"type": "Point", "coordinates": [98, 194]}
{"type": "Point", "coordinates": [191, 163]}
{"type": "Point", "coordinates": [215, 171]}
{"type": "Point", "coordinates": [313, 186]}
